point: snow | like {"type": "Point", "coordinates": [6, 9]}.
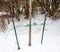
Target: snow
{"type": "Point", "coordinates": [2, 13]}
{"type": "Point", "coordinates": [51, 40]}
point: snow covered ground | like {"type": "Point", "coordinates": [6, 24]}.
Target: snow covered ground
{"type": "Point", "coordinates": [51, 40]}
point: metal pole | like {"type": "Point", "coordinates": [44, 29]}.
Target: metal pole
{"type": "Point", "coordinates": [30, 11]}
{"type": "Point", "coordinates": [43, 30]}
{"type": "Point", "coordinates": [12, 11]}
{"type": "Point", "coordinates": [15, 34]}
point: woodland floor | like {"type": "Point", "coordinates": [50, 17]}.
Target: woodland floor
{"type": "Point", "coordinates": [51, 40]}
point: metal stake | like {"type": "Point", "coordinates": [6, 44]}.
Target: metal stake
{"type": "Point", "coordinates": [30, 11]}
{"type": "Point", "coordinates": [15, 34]}
{"type": "Point", "coordinates": [43, 30]}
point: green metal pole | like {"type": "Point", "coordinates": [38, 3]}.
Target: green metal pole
{"type": "Point", "coordinates": [12, 11]}
{"type": "Point", "coordinates": [15, 34]}
{"type": "Point", "coordinates": [43, 30]}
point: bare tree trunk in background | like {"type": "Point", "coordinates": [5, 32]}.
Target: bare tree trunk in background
{"type": "Point", "coordinates": [3, 24]}
{"type": "Point", "coordinates": [27, 10]}
{"type": "Point", "coordinates": [8, 20]}
{"type": "Point", "coordinates": [17, 10]}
